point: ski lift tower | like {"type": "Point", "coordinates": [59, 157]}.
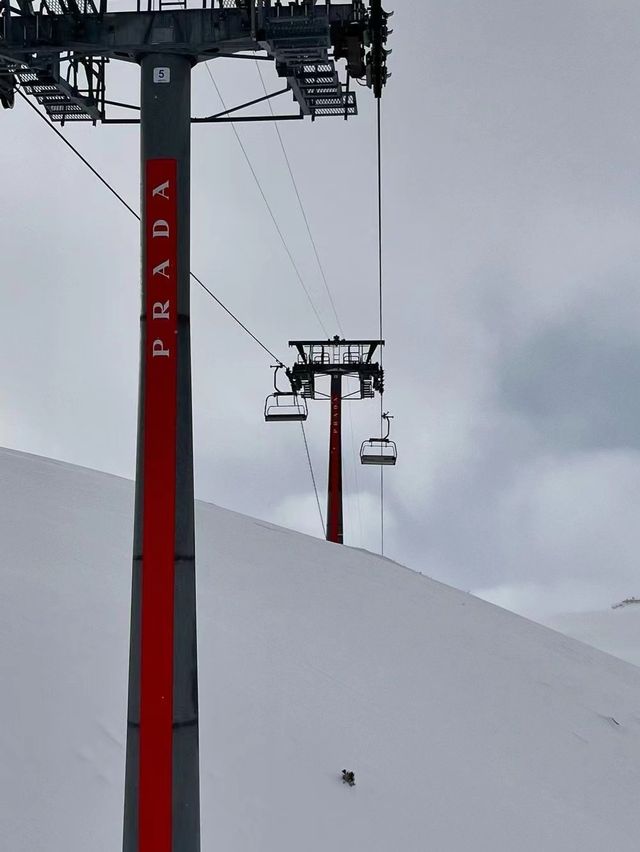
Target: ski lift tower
{"type": "Point", "coordinates": [337, 359]}
{"type": "Point", "coordinates": [58, 51]}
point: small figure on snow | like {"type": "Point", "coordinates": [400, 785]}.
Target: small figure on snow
{"type": "Point", "coordinates": [348, 778]}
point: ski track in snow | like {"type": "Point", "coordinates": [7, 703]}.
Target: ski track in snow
{"type": "Point", "coordinates": [467, 727]}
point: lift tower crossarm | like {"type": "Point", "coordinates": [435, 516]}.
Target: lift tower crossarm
{"type": "Point", "coordinates": [126, 36]}
{"type": "Point", "coordinates": [306, 357]}
{"type": "Point", "coordinates": [304, 44]}
{"type": "Point", "coordinates": [333, 341]}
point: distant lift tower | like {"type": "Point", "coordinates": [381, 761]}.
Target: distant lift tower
{"type": "Point", "coordinates": [336, 359]}
{"type": "Point", "coordinates": [58, 51]}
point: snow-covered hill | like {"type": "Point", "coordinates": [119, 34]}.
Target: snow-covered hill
{"type": "Point", "coordinates": [616, 631]}
{"type": "Point", "coordinates": [468, 728]}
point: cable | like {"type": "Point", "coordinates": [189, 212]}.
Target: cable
{"type": "Point", "coordinates": [380, 305]}
{"type": "Point", "coordinates": [290, 256]}
{"type": "Point", "coordinates": [268, 206]}
{"type": "Point", "coordinates": [379, 136]}
{"type": "Point", "coordinates": [78, 154]}
{"type": "Point", "coordinates": [301, 205]}
{"type": "Point", "coordinates": [313, 478]}
{"type": "Point", "coordinates": [235, 318]}
{"type": "Point", "coordinates": [137, 216]}
{"type": "Point", "coordinates": [192, 274]}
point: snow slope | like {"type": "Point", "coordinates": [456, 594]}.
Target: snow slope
{"type": "Point", "coordinates": [468, 727]}
{"type": "Point", "coordinates": [616, 631]}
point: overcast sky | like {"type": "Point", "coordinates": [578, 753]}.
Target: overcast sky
{"type": "Point", "coordinates": [512, 314]}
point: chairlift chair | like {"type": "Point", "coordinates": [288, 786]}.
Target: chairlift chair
{"type": "Point", "coordinates": [379, 450]}
{"type": "Point", "coordinates": [284, 406]}
{"type": "Point", "coordinates": [281, 406]}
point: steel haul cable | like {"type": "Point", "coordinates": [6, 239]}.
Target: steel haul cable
{"type": "Point", "coordinates": [269, 209]}
{"type": "Point", "coordinates": [380, 305]}
{"type": "Point", "coordinates": [120, 198]}
{"type": "Point", "coordinates": [137, 216]}
{"type": "Point", "coordinates": [301, 205]}
{"type": "Point", "coordinates": [313, 478]}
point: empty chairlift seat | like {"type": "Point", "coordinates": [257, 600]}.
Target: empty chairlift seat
{"type": "Point", "coordinates": [281, 407]}
{"type": "Point", "coordinates": [378, 451]}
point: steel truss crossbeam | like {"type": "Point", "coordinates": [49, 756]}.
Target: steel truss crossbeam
{"type": "Point", "coordinates": [304, 43]}
{"type": "Point", "coordinates": [220, 117]}
{"type": "Point", "coordinates": [336, 357]}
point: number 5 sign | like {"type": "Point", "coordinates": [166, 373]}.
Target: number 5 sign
{"type": "Point", "coordinates": [161, 75]}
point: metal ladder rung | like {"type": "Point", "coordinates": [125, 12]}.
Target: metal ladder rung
{"type": "Point", "coordinates": [62, 117]}
{"type": "Point", "coordinates": [67, 106]}
{"type": "Point", "coordinates": [40, 90]}
{"type": "Point", "coordinates": [317, 81]}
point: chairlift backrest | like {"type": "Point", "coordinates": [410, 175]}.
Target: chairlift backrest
{"type": "Point", "coordinates": [378, 451]}
{"type": "Point", "coordinates": [285, 407]}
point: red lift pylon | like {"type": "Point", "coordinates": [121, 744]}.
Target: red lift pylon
{"type": "Point", "coordinates": [335, 358]}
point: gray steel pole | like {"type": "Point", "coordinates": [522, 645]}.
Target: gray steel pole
{"type": "Point", "coordinates": [162, 808]}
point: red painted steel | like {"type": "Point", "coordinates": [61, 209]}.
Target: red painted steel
{"type": "Point", "coordinates": [334, 498]}
{"type": "Point", "coordinates": [156, 677]}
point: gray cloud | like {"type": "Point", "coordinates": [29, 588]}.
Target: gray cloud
{"type": "Point", "coordinates": [575, 389]}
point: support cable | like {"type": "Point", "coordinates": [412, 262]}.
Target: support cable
{"type": "Point", "coordinates": [313, 478]}
{"type": "Point", "coordinates": [301, 205]}
{"type": "Point", "coordinates": [234, 317]}
{"type": "Point", "coordinates": [137, 216]}
{"type": "Point", "coordinates": [78, 154]}
{"type": "Point", "coordinates": [380, 305]}
{"type": "Point", "coordinates": [269, 208]}
{"type": "Point", "coordinates": [198, 280]}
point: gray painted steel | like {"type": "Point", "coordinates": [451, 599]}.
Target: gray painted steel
{"type": "Point", "coordinates": [166, 133]}
{"type": "Point", "coordinates": [298, 37]}
{"type": "Point", "coordinates": [193, 32]}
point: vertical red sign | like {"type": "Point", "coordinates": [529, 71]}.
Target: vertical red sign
{"type": "Point", "coordinates": [334, 508]}
{"type": "Point", "coordinates": [159, 500]}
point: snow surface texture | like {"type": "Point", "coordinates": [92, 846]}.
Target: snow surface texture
{"type": "Point", "coordinates": [616, 631]}
{"type": "Point", "coordinates": [467, 727]}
